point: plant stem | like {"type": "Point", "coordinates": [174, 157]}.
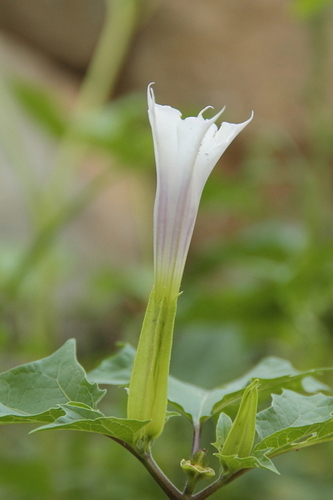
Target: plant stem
{"type": "Point", "coordinates": [97, 87]}
{"type": "Point", "coordinates": [157, 474]}
{"type": "Point", "coordinates": [162, 480]}
{"type": "Point", "coordinates": [167, 486]}
{"type": "Point", "coordinates": [14, 147]}
{"type": "Point", "coordinates": [319, 127]}
{"type": "Point", "coordinates": [216, 485]}
{"type": "Point", "coordinates": [114, 41]}
{"type": "Point", "coordinates": [188, 490]}
{"type": "Point", "coordinates": [45, 237]}
{"type": "Point", "coordinates": [196, 439]}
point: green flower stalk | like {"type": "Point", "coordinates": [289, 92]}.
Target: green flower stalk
{"type": "Point", "coordinates": [186, 151]}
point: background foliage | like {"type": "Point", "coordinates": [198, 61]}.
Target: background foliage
{"type": "Point", "coordinates": [259, 279]}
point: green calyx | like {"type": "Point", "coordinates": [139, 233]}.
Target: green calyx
{"type": "Point", "coordinates": [148, 387]}
{"type": "Point", "coordinates": [197, 467]}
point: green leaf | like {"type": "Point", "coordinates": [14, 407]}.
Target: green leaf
{"type": "Point", "coordinates": [55, 391]}
{"type": "Point", "coordinates": [41, 104]}
{"type": "Point", "coordinates": [308, 8]}
{"type": "Point", "coordinates": [223, 427]}
{"type": "Point", "coordinates": [33, 392]}
{"type": "Point", "coordinates": [82, 418]}
{"type": "Point", "coordinates": [233, 463]}
{"type": "Point", "coordinates": [273, 373]}
{"type": "Point", "coordinates": [199, 404]}
{"type": "Point", "coordinates": [116, 369]}
{"type": "Point", "coordinates": [120, 128]}
{"type": "Point", "coordinates": [294, 421]}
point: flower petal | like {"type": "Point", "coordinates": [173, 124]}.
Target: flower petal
{"type": "Point", "coordinates": [186, 151]}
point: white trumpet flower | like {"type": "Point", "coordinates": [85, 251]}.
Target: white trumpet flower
{"type": "Point", "coordinates": [186, 152]}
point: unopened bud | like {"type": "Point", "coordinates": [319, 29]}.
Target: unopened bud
{"type": "Point", "coordinates": [240, 438]}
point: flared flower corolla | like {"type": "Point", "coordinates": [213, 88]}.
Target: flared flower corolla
{"type": "Point", "coordinates": [186, 151]}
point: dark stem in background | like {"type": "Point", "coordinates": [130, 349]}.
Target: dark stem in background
{"type": "Point", "coordinates": [44, 238]}
{"type": "Point", "coordinates": [319, 125]}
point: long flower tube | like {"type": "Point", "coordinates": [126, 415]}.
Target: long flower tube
{"type": "Point", "coordinates": [186, 151]}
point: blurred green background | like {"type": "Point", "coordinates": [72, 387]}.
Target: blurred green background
{"type": "Point", "coordinates": [76, 198]}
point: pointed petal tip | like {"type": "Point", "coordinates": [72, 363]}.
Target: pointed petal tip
{"type": "Point", "coordinates": [218, 114]}
{"type": "Point", "coordinates": [203, 110]}
{"type": "Point", "coordinates": [248, 120]}
{"type": "Point", "coordinates": [150, 94]}
{"type": "Point", "coordinates": [242, 123]}
{"type": "Point", "coordinates": [251, 117]}
{"type": "Point", "coordinates": [215, 117]}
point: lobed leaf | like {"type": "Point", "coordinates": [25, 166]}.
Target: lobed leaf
{"type": "Point", "coordinates": [82, 418]}
{"type": "Point", "coordinates": [273, 374]}
{"type": "Point", "coordinates": [34, 392]}
{"type": "Point", "coordinates": [116, 369]}
{"type": "Point", "coordinates": [294, 421]}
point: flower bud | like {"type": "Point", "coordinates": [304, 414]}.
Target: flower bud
{"type": "Point", "coordinates": [240, 438]}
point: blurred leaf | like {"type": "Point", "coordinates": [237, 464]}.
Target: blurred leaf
{"type": "Point", "coordinates": [264, 282]}
{"type": "Point", "coordinates": [307, 8]}
{"type": "Point", "coordinates": [121, 128]}
{"type": "Point", "coordinates": [33, 392]}
{"type": "Point", "coordinates": [42, 105]}
{"type": "Point", "coordinates": [35, 477]}
{"type": "Point", "coordinates": [295, 421]}
{"type": "Point", "coordinates": [80, 418]}
{"type": "Point", "coordinates": [275, 239]}
{"type": "Point", "coordinates": [230, 195]}
{"type": "Point", "coordinates": [212, 350]}
{"type": "Point", "coordinates": [268, 250]}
